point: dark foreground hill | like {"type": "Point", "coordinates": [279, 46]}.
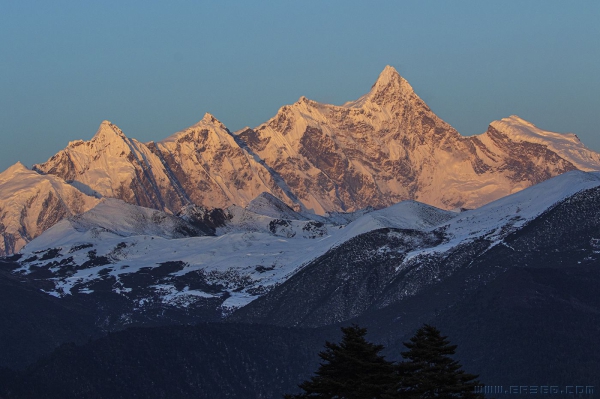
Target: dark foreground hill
{"type": "Point", "coordinates": [529, 327]}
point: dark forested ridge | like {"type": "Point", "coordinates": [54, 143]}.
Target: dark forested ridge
{"type": "Point", "coordinates": [34, 323]}
{"type": "Point", "coordinates": [531, 327]}
{"type": "Point", "coordinates": [203, 361]}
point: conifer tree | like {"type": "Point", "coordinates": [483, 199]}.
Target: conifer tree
{"type": "Point", "coordinates": [353, 369]}
{"type": "Point", "coordinates": [428, 371]}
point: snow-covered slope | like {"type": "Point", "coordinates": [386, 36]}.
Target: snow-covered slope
{"type": "Point", "coordinates": [112, 217]}
{"type": "Point", "coordinates": [235, 267]}
{"type": "Point", "coordinates": [410, 215]}
{"type": "Point", "coordinates": [496, 220]}
{"type": "Point", "coordinates": [250, 254]}
{"type": "Point", "coordinates": [550, 228]}
{"type": "Point", "coordinates": [31, 203]}
{"type": "Point", "coordinates": [268, 205]}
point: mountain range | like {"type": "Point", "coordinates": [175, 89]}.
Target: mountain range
{"type": "Point", "coordinates": [383, 148]}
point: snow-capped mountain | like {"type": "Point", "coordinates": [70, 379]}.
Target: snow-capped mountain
{"type": "Point", "coordinates": [205, 161]}
{"type": "Point", "coordinates": [389, 146]}
{"type": "Point", "coordinates": [31, 203]}
{"type": "Point", "coordinates": [200, 165]}
{"type": "Point", "coordinates": [116, 166]}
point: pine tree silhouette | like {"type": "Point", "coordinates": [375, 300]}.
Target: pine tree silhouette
{"type": "Point", "coordinates": [354, 369]}
{"type": "Point", "coordinates": [428, 371]}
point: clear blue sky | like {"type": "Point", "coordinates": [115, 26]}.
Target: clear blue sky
{"type": "Point", "coordinates": [155, 68]}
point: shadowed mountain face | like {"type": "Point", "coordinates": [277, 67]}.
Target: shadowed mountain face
{"type": "Point", "coordinates": [524, 311]}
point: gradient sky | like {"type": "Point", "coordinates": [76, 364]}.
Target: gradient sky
{"type": "Point", "coordinates": [155, 68]}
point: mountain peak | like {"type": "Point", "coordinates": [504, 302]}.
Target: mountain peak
{"type": "Point", "coordinates": [14, 169]}
{"type": "Point", "coordinates": [389, 87]}
{"type": "Point", "coordinates": [514, 120]}
{"type": "Point", "coordinates": [108, 132]}
{"type": "Point", "coordinates": [518, 127]}
{"type": "Point", "coordinates": [208, 122]}
{"type": "Point", "coordinates": [388, 74]}
{"type": "Point", "coordinates": [209, 119]}
{"type": "Point", "coordinates": [19, 166]}
{"type": "Point", "coordinates": [567, 145]}
{"type": "Point", "coordinates": [390, 79]}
